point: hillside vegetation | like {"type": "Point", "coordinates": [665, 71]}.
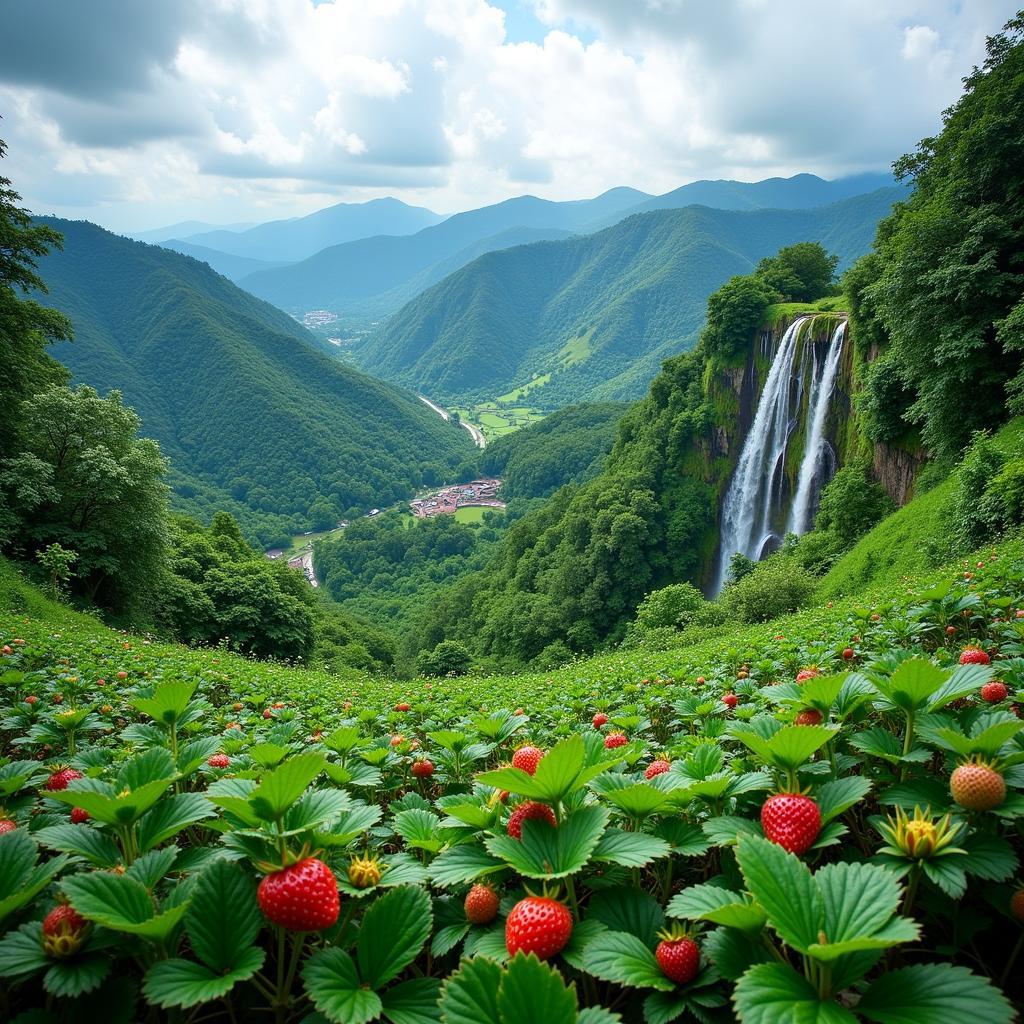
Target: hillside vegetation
{"type": "Point", "coordinates": [598, 313]}
{"type": "Point", "coordinates": [254, 420]}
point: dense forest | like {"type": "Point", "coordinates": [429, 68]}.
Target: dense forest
{"type": "Point", "coordinates": [253, 419]}
{"type": "Point", "coordinates": [593, 317]}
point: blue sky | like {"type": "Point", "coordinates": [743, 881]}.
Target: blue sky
{"type": "Point", "coordinates": [136, 114]}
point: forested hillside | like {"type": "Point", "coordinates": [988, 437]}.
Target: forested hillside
{"type": "Point", "coordinates": [253, 419]}
{"type": "Point", "coordinates": [595, 316]}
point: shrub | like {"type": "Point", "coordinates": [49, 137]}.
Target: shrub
{"type": "Point", "coordinates": [978, 512]}
{"type": "Point", "coordinates": [668, 606]}
{"type": "Point", "coordinates": [448, 658]}
{"type": "Point", "coordinates": [778, 585]}
{"type": "Point", "coordinates": [851, 503]}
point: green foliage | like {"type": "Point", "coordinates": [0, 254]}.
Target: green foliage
{"type": "Point", "coordinates": [884, 399]}
{"type": "Point", "coordinates": [57, 561]}
{"type": "Point", "coordinates": [569, 446]}
{"type": "Point", "coordinates": [799, 273]}
{"type": "Point", "coordinates": [945, 281]}
{"type": "Point", "coordinates": [851, 503]}
{"type": "Point", "coordinates": [989, 495]}
{"type": "Point", "coordinates": [674, 605]}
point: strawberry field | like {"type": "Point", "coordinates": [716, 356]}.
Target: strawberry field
{"type": "Point", "coordinates": [817, 820]}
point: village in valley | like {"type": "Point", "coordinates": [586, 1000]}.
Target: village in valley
{"type": "Point", "coordinates": [481, 492]}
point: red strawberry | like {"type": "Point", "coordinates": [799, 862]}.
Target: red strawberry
{"type": "Point", "coordinates": [268, 713]}
{"type": "Point", "coordinates": [529, 810]}
{"type": "Point", "coordinates": [807, 673]}
{"type": "Point", "coordinates": [402, 707]}
{"type": "Point", "coordinates": [423, 768]}
{"type": "Point", "coordinates": [31, 699]}
{"type": "Point", "coordinates": [527, 759]}
{"type": "Point", "coordinates": [218, 761]}
{"type": "Point", "coordinates": [974, 656]}
{"type": "Point", "coordinates": [60, 778]}
{"type": "Point", "coordinates": [994, 692]}
{"type": "Point", "coordinates": [701, 680]}
{"type": "Point", "coordinates": [302, 897]}
{"type": "Point", "coordinates": [950, 630]}
{"type": "Point", "coordinates": [79, 815]}
{"type": "Point", "coordinates": [848, 653]}
{"type": "Point", "coordinates": [481, 904]}
{"type": "Point", "coordinates": [791, 820]}
{"type": "Point", "coordinates": [977, 786]}
{"type": "Point", "coordinates": [615, 739]}
{"type": "Point", "coordinates": [679, 959]}
{"type": "Point", "coordinates": [809, 716]}
{"type": "Point", "coordinates": [538, 925]}
{"type": "Point", "coordinates": [64, 931]}
{"type": "Point", "coordinates": [658, 767]}
{"type": "Point", "coordinates": [599, 719]}
{"type": "Point", "coordinates": [6, 825]}
{"type": "Point", "coordinates": [730, 700]}
{"type": "Point", "coordinates": [1017, 905]}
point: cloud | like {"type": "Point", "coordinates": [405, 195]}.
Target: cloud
{"type": "Point", "coordinates": [133, 113]}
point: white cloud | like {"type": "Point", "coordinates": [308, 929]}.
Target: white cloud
{"type": "Point", "coordinates": [237, 109]}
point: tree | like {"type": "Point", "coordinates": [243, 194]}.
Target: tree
{"type": "Point", "coordinates": [57, 562]}
{"type": "Point", "coordinates": [851, 503]}
{"type": "Point", "coordinates": [734, 313]}
{"type": "Point", "coordinates": [947, 282]}
{"type": "Point", "coordinates": [448, 658]}
{"type": "Point", "coordinates": [85, 480]}
{"type": "Point", "coordinates": [26, 327]}
{"type": "Point", "coordinates": [799, 273]}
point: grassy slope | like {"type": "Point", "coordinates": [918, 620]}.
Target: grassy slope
{"type": "Point", "coordinates": [900, 546]}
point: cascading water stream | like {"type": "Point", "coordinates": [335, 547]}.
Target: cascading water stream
{"type": "Point", "coordinates": [801, 513]}
{"type": "Point", "coordinates": [747, 506]}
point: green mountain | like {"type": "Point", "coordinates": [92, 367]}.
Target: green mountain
{"type": "Point", "coordinates": [299, 237]}
{"type": "Point", "coordinates": [232, 267]}
{"type": "Point", "coordinates": [593, 317]}
{"type": "Point", "coordinates": [253, 418]}
{"type": "Point", "coordinates": [342, 276]}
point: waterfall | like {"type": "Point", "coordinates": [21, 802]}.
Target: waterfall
{"type": "Point", "coordinates": [754, 501]}
{"type": "Point", "coordinates": [802, 512]}
{"type": "Point", "coordinates": [747, 507]}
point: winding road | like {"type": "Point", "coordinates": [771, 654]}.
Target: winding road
{"type": "Point", "coordinates": [475, 432]}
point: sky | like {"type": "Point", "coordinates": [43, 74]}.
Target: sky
{"type": "Point", "coordinates": [141, 113]}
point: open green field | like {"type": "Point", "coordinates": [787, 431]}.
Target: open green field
{"type": "Point", "coordinates": [494, 419]}
{"type": "Point", "coordinates": [471, 514]}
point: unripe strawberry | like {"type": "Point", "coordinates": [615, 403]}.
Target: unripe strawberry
{"type": "Point", "coordinates": [64, 931]}
{"type": "Point", "coordinates": [974, 656]}
{"type": "Point", "coordinates": [122, 675]}
{"type": "Point", "coordinates": [658, 767]}
{"type": "Point", "coordinates": [302, 897]}
{"type": "Point", "coordinates": [792, 820]}
{"type": "Point", "coordinates": [977, 786]}
{"type": "Point", "coordinates": [809, 716]}
{"type": "Point", "coordinates": [538, 925]}
{"type": "Point", "coordinates": [614, 740]}
{"type": "Point", "coordinates": [599, 719]}
{"type": "Point", "coordinates": [701, 680]}
{"type": "Point", "coordinates": [527, 759]}
{"type": "Point", "coordinates": [218, 761]}
{"type": "Point", "coordinates": [7, 649]}
{"type": "Point", "coordinates": [679, 959]}
{"type": "Point", "coordinates": [810, 672]}
{"type": "Point", "coordinates": [397, 740]}
{"type": "Point", "coordinates": [237, 706]}
{"type": "Point", "coordinates": [529, 810]}
{"type": "Point", "coordinates": [364, 872]}
{"type": "Point", "coordinates": [268, 713]}
{"type": "Point", "coordinates": [481, 904]}
{"type": "Point", "coordinates": [730, 700]}
{"type": "Point", "coordinates": [423, 768]}
{"type": "Point", "coordinates": [994, 691]}
{"type": "Point", "coordinates": [79, 815]}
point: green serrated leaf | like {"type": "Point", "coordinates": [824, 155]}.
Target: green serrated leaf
{"type": "Point", "coordinates": [625, 960]}
{"type": "Point", "coordinates": [531, 992]}
{"type": "Point", "coordinates": [934, 994]}
{"type": "Point", "coordinates": [182, 983]}
{"type": "Point", "coordinates": [773, 993]}
{"type": "Point", "coordinates": [470, 994]}
{"type": "Point", "coordinates": [719, 906]}
{"type": "Point", "coordinates": [332, 984]}
{"type": "Point", "coordinates": [284, 785]}
{"type": "Point", "coordinates": [392, 933]}
{"type": "Point", "coordinates": [546, 852]}
{"type": "Point", "coordinates": [413, 1001]}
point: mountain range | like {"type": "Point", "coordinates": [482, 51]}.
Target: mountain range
{"type": "Point", "coordinates": [592, 317]}
{"type": "Point", "coordinates": [254, 419]}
